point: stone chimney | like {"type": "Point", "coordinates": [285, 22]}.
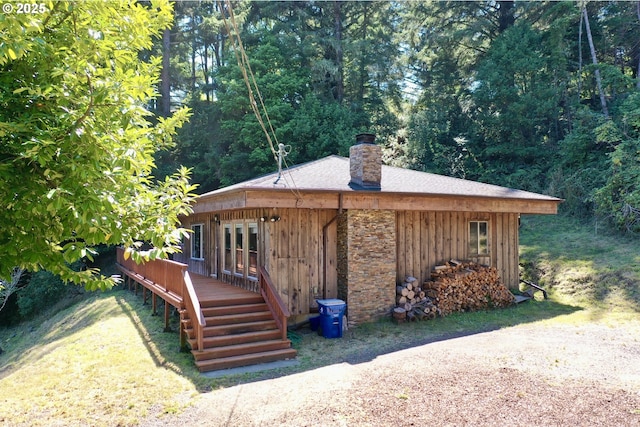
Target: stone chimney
{"type": "Point", "coordinates": [365, 162]}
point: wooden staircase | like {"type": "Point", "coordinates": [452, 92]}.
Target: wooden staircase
{"type": "Point", "coordinates": [240, 330]}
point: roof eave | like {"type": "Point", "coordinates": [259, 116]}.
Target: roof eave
{"type": "Point", "coordinates": [253, 197]}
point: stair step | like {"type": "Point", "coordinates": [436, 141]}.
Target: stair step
{"type": "Point", "coordinates": [245, 360]}
{"type": "Point", "coordinates": [240, 349]}
{"type": "Point", "coordinates": [229, 319]}
{"type": "Point", "coordinates": [238, 328]}
{"type": "Point", "coordinates": [234, 309]}
{"type": "Point", "coordinates": [249, 298]}
{"type": "Point", "coordinates": [247, 337]}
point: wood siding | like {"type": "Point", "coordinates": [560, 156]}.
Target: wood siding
{"type": "Point", "coordinates": [299, 251]}
{"type": "Point", "coordinates": [203, 266]}
{"type": "Point", "coordinates": [426, 239]}
{"type": "Point", "coordinates": [301, 256]}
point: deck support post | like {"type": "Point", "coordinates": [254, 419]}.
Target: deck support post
{"type": "Point", "coordinates": [167, 306]}
{"type": "Point", "coordinates": [154, 304]}
{"type": "Point", "coordinates": [183, 337]}
{"type": "Point", "coordinates": [144, 295]}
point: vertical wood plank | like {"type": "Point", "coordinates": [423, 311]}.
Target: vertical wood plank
{"type": "Point", "coordinates": [417, 247]}
{"type": "Point", "coordinates": [432, 239]}
{"type": "Point", "coordinates": [498, 259]}
{"type": "Point", "coordinates": [283, 234]}
{"type": "Point", "coordinates": [439, 237]}
{"type": "Point", "coordinates": [283, 282]}
{"type": "Point", "coordinates": [313, 255]}
{"type": "Point", "coordinates": [424, 247]}
{"type": "Point", "coordinates": [409, 249]}
{"type": "Point", "coordinates": [401, 250]}
{"type": "Point", "coordinates": [513, 251]}
{"type": "Point", "coordinates": [332, 258]}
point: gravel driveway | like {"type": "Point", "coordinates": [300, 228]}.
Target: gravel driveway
{"type": "Point", "coordinates": [527, 375]}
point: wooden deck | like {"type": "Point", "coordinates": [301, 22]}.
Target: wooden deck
{"type": "Point", "coordinates": [225, 326]}
{"type": "Point", "coordinates": [212, 291]}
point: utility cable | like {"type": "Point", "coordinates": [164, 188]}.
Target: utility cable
{"type": "Point", "coordinates": [250, 80]}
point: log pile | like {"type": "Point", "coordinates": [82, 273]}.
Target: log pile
{"type": "Point", "coordinates": [454, 286]}
{"type": "Point", "coordinates": [466, 286]}
{"type": "Point", "coordinates": [412, 302]}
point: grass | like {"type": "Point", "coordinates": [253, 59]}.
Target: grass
{"type": "Point", "coordinates": [583, 264]}
{"type": "Point", "coordinates": [106, 361]}
{"type": "Point", "coordinates": [95, 363]}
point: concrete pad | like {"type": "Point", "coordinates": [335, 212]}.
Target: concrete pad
{"type": "Point", "coordinates": [251, 368]}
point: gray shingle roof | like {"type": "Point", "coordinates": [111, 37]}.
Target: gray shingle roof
{"type": "Point", "coordinates": [331, 174]}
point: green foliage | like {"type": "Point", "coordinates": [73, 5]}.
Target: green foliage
{"type": "Point", "coordinates": [43, 290]}
{"type": "Point", "coordinates": [502, 92]}
{"type": "Point", "coordinates": [619, 198]}
{"type": "Point", "coordinates": [517, 108]}
{"type": "Point", "coordinates": [76, 142]}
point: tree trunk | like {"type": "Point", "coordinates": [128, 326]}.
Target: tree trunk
{"type": "Point", "coordinates": [337, 16]}
{"type": "Point", "coordinates": [638, 49]}
{"type": "Point", "coordinates": [363, 58]}
{"type": "Point", "coordinates": [205, 70]}
{"type": "Point", "coordinates": [594, 60]}
{"type": "Point", "coordinates": [506, 18]}
{"type": "Point", "coordinates": [165, 88]}
{"type": "Point", "coordinates": [193, 54]}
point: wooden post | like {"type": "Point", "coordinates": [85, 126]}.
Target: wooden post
{"type": "Point", "coordinates": [154, 304]}
{"type": "Point", "coordinates": [183, 335]}
{"type": "Point", "coordinates": [144, 295]}
{"type": "Point", "coordinates": [167, 328]}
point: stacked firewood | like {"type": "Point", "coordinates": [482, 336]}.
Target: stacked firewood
{"type": "Point", "coordinates": [412, 302]}
{"type": "Point", "coordinates": [466, 286]}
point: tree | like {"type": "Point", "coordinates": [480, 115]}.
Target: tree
{"type": "Point", "coordinates": [76, 141]}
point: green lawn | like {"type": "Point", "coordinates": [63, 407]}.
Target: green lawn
{"type": "Point", "coordinates": [106, 361]}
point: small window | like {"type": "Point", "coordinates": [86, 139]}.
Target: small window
{"type": "Point", "coordinates": [197, 247]}
{"type": "Point", "coordinates": [478, 238]}
{"type": "Point", "coordinates": [253, 250]}
{"type": "Point", "coordinates": [228, 256]}
{"type": "Point", "coordinates": [239, 249]}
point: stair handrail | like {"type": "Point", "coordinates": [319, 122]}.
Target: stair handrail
{"type": "Point", "coordinates": [279, 311]}
{"type": "Point", "coordinates": [192, 305]}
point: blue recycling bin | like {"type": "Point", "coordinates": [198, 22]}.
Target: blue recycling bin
{"type": "Point", "coordinates": [331, 315]}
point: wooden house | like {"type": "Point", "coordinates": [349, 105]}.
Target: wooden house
{"type": "Point", "coordinates": [351, 228]}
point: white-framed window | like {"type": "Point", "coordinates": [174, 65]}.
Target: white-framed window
{"type": "Point", "coordinates": [197, 241]}
{"type": "Point", "coordinates": [478, 237]}
{"type": "Point", "coordinates": [253, 250]}
{"type": "Point", "coordinates": [227, 262]}
{"type": "Point", "coordinates": [240, 243]}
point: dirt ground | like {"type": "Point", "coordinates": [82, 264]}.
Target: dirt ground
{"type": "Point", "coordinates": [527, 375]}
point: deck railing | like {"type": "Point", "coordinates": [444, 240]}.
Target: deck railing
{"type": "Point", "coordinates": [171, 280]}
{"type": "Point", "coordinates": [275, 304]}
{"type": "Point", "coordinates": [192, 304]}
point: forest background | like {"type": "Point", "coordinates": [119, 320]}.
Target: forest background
{"type": "Point", "coordinates": [541, 96]}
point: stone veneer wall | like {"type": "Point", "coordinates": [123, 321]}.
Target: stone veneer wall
{"type": "Point", "coordinates": [365, 165]}
{"type": "Point", "coordinates": [367, 263]}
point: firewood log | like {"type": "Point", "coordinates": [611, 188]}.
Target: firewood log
{"type": "Point", "coordinates": [401, 290]}
{"type": "Point", "coordinates": [399, 314]}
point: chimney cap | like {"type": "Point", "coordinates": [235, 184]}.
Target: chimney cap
{"type": "Point", "coordinates": [365, 138]}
